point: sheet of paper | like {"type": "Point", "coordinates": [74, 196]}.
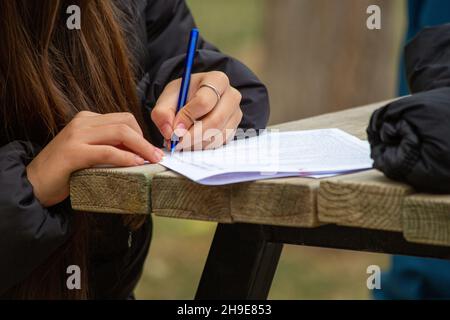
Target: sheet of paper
{"type": "Point", "coordinates": [311, 153]}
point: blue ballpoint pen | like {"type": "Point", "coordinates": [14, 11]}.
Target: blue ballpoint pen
{"type": "Point", "coordinates": [186, 80]}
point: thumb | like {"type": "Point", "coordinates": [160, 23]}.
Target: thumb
{"type": "Point", "coordinates": [183, 121]}
{"type": "Point", "coordinates": [199, 106]}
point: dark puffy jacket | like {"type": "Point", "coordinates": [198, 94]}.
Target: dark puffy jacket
{"type": "Point", "coordinates": [30, 233]}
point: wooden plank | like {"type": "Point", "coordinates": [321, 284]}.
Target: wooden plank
{"type": "Point", "coordinates": [177, 197]}
{"type": "Point", "coordinates": [426, 219]}
{"type": "Point", "coordinates": [370, 200]}
{"type": "Point", "coordinates": [366, 199]}
{"type": "Point", "coordinates": [353, 121]}
{"type": "Point", "coordinates": [283, 202]}
{"type": "Point", "coordinates": [288, 201]}
{"type": "Point", "coordinates": [113, 190]}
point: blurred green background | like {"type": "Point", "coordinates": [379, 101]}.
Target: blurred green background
{"type": "Point", "coordinates": [287, 43]}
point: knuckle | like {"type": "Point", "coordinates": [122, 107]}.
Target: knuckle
{"type": "Point", "coordinates": [222, 77]}
{"type": "Point", "coordinates": [239, 116]}
{"type": "Point", "coordinates": [187, 113]}
{"type": "Point", "coordinates": [173, 82]}
{"type": "Point", "coordinates": [236, 94]}
{"type": "Point", "coordinates": [128, 117]}
{"type": "Point", "coordinates": [122, 130]}
{"type": "Point", "coordinates": [75, 123]}
{"type": "Point", "coordinates": [156, 114]}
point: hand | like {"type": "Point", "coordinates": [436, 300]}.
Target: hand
{"type": "Point", "coordinates": [204, 122]}
{"type": "Point", "coordinates": [89, 139]}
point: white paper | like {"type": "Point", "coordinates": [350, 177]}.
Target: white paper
{"type": "Point", "coordinates": [312, 153]}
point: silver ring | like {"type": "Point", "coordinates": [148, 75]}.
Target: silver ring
{"type": "Point", "coordinates": [210, 86]}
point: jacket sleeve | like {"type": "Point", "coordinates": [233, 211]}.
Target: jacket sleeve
{"type": "Point", "coordinates": [168, 23]}
{"type": "Point", "coordinates": [29, 233]}
{"type": "Point", "coordinates": [427, 59]}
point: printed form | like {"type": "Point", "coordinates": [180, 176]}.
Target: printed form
{"type": "Point", "coordinates": [312, 153]}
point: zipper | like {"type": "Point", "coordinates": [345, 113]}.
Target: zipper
{"type": "Point", "coordinates": [130, 238]}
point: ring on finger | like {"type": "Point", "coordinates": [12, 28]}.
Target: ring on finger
{"type": "Point", "coordinates": [213, 88]}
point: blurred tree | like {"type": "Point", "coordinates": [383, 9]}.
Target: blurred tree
{"type": "Point", "coordinates": [321, 57]}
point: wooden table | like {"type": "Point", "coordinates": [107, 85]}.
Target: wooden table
{"type": "Point", "coordinates": [363, 211]}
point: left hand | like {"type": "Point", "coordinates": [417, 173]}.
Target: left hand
{"type": "Point", "coordinates": [206, 121]}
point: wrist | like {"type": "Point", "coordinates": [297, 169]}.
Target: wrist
{"type": "Point", "coordinates": [34, 179]}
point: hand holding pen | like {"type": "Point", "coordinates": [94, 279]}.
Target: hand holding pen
{"type": "Point", "coordinates": [202, 100]}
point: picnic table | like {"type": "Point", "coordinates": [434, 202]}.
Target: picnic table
{"type": "Point", "coordinates": [362, 211]}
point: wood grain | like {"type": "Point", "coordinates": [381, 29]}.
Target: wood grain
{"type": "Point", "coordinates": [175, 196]}
{"type": "Point", "coordinates": [113, 190]}
{"type": "Point", "coordinates": [366, 199]}
{"type": "Point", "coordinates": [426, 219]}
{"type": "Point", "coordinates": [285, 202]}
{"type": "Point", "coordinates": [289, 202]}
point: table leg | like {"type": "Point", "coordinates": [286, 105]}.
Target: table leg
{"type": "Point", "coordinates": [241, 263]}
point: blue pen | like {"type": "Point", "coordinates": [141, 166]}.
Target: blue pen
{"type": "Point", "coordinates": [186, 80]}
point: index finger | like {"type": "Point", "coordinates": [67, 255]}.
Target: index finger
{"type": "Point", "coordinates": [163, 113]}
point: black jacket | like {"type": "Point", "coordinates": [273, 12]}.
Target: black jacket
{"type": "Point", "coordinates": [29, 233]}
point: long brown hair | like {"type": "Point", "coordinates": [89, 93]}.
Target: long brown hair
{"type": "Point", "coordinates": [48, 73]}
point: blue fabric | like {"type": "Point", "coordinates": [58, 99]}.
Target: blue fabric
{"type": "Point", "coordinates": [410, 277]}
{"type": "Point", "coordinates": [422, 13]}
{"type": "Point", "coordinates": [415, 278]}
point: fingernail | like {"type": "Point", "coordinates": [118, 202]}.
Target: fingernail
{"type": "Point", "coordinates": [181, 126]}
{"type": "Point", "coordinates": [166, 131]}
{"type": "Point", "coordinates": [138, 160]}
{"type": "Point", "coordinates": [180, 130]}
